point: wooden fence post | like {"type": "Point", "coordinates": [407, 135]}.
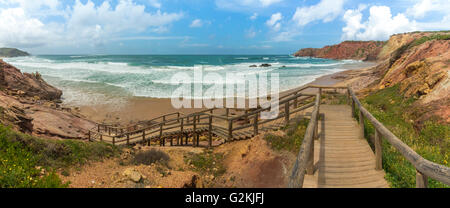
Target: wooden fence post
{"type": "Point", "coordinates": [286, 113]}
{"type": "Point", "coordinates": [353, 108]}
{"type": "Point", "coordinates": [361, 123]}
{"type": "Point", "coordinates": [101, 137]}
{"type": "Point", "coordinates": [316, 129]}
{"type": "Point", "coordinates": [255, 125]}
{"type": "Point", "coordinates": [194, 136]}
{"type": "Point", "coordinates": [210, 131]}
{"type": "Point", "coordinates": [296, 100]}
{"type": "Point", "coordinates": [227, 112]}
{"type": "Point", "coordinates": [230, 130]}
{"type": "Point", "coordinates": [144, 140]}
{"type": "Point", "coordinates": [378, 151]}
{"type": "Point", "coordinates": [161, 142]}
{"type": "Point", "coordinates": [180, 136]}
{"type": "Point", "coordinates": [128, 138]}
{"type": "Point", "coordinates": [310, 163]}
{"type": "Point", "coordinates": [421, 180]}
{"type": "Point", "coordinates": [114, 141]}
{"type": "Point", "coordinates": [198, 135]}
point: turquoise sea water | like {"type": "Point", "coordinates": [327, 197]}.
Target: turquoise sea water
{"type": "Point", "coordinates": [90, 79]}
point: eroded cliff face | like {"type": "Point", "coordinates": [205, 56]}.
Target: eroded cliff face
{"type": "Point", "coordinates": [356, 50]}
{"type": "Point", "coordinates": [418, 62]}
{"type": "Point", "coordinates": [30, 105]}
{"type": "Point", "coordinates": [421, 70]}
{"type": "Point", "coordinates": [28, 84]}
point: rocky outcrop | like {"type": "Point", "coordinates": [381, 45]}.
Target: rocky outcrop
{"type": "Point", "coordinates": [26, 84]}
{"type": "Point", "coordinates": [420, 69]}
{"type": "Point", "coordinates": [30, 105]}
{"type": "Point", "coordinates": [419, 63]}
{"type": "Point", "coordinates": [356, 50]}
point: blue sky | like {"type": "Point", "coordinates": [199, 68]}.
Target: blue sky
{"type": "Point", "coordinates": [207, 26]}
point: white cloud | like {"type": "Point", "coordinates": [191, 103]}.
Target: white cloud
{"type": "Point", "coordinates": [82, 23]}
{"type": "Point", "coordinates": [18, 29]}
{"type": "Point", "coordinates": [286, 36]}
{"type": "Point", "coordinates": [35, 7]}
{"type": "Point", "coordinates": [444, 24]}
{"type": "Point", "coordinates": [250, 33]}
{"type": "Point", "coordinates": [269, 2]}
{"type": "Point", "coordinates": [155, 3]}
{"type": "Point", "coordinates": [254, 16]}
{"type": "Point", "coordinates": [274, 21]}
{"type": "Point", "coordinates": [353, 25]}
{"type": "Point", "coordinates": [239, 5]}
{"type": "Point", "coordinates": [379, 26]}
{"type": "Point", "coordinates": [196, 23]}
{"type": "Point", "coordinates": [424, 7]}
{"type": "Point", "coordinates": [325, 10]}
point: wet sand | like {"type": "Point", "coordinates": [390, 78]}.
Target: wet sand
{"type": "Point", "coordinates": [140, 108]}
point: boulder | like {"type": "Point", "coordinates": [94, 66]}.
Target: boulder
{"type": "Point", "coordinates": [265, 65]}
{"type": "Point", "coordinates": [26, 84]}
{"type": "Point", "coordinates": [132, 175]}
{"type": "Point", "coordinates": [195, 182]}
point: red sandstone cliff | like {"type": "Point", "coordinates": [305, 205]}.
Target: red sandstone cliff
{"type": "Point", "coordinates": [418, 62]}
{"type": "Point", "coordinates": [356, 50]}
{"type": "Point", "coordinates": [30, 105]}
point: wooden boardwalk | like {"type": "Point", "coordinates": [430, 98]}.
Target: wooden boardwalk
{"type": "Point", "coordinates": [333, 154]}
{"type": "Point", "coordinates": [342, 158]}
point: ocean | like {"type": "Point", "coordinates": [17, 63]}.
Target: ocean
{"type": "Point", "coordinates": [95, 79]}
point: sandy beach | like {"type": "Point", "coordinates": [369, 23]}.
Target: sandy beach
{"type": "Point", "coordinates": [143, 108]}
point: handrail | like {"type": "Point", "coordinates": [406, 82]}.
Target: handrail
{"type": "Point", "coordinates": [305, 158]}
{"type": "Point", "coordinates": [424, 167]}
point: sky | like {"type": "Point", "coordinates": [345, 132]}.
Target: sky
{"type": "Point", "coordinates": [208, 26]}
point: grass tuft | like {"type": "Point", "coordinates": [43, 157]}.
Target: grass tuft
{"type": "Point", "coordinates": [207, 163]}
{"type": "Point", "coordinates": [295, 131]}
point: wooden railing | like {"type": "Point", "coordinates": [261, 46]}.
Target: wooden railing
{"type": "Point", "coordinates": [424, 167]}
{"type": "Point", "coordinates": [305, 158]}
{"type": "Point", "coordinates": [226, 125]}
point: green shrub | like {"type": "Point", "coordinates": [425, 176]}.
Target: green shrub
{"type": "Point", "coordinates": [21, 154]}
{"type": "Point", "coordinates": [19, 167]}
{"type": "Point", "coordinates": [429, 38]}
{"type": "Point", "coordinates": [150, 156]}
{"type": "Point", "coordinates": [295, 131]}
{"type": "Point", "coordinates": [208, 163]}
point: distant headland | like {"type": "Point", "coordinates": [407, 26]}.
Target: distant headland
{"type": "Point", "coordinates": [12, 52]}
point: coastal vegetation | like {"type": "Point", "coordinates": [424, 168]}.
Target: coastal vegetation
{"type": "Point", "coordinates": [292, 140]}
{"type": "Point", "coordinates": [31, 162]}
{"type": "Point", "coordinates": [429, 38]}
{"type": "Point", "coordinates": [431, 140]}
{"type": "Point", "coordinates": [12, 52]}
{"type": "Point", "coordinates": [207, 163]}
